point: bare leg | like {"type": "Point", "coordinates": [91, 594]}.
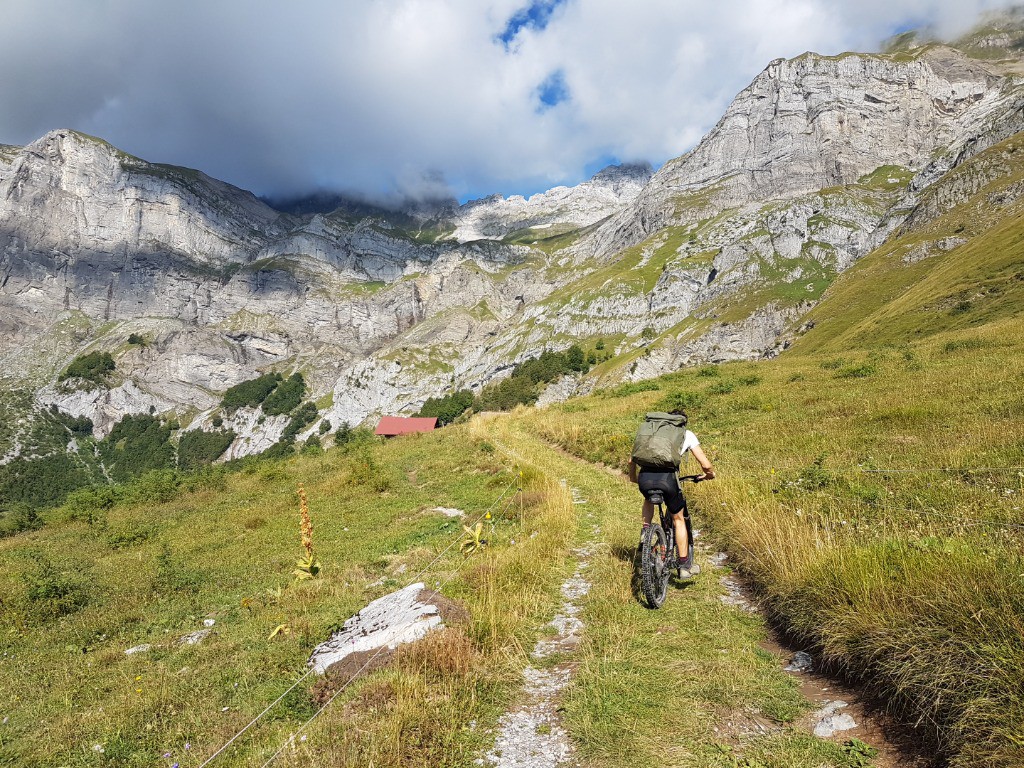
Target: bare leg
{"type": "Point", "coordinates": [682, 542]}
{"type": "Point", "coordinates": [648, 512]}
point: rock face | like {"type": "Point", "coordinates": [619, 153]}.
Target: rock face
{"type": "Point", "coordinates": [712, 258]}
{"type": "Point", "coordinates": [552, 212]}
{"type": "Point", "coordinates": [817, 122]}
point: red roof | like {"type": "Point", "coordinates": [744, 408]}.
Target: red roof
{"type": "Point", "coordinates": [401, 425]}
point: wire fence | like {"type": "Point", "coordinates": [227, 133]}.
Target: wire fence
{"type": "Point", "coordinates": [508, 494]}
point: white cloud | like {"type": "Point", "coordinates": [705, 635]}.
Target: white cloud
{"type": "Point", "coordinates": [384, 95]}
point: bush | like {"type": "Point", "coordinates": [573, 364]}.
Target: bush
{"type": "Point", "coordinates": [279, 450]}
{"type": "Point", "coordinates": [51, 593]}
{"type": "Point", "coordinates": [90, 504]}
{"type": "Point", "coordinates": [679, 401]}
{"type": "Point", "coordinates": [79, 426]}
{"type": "Point", "coordinates": [285, 396]}
{"type": "Point", "coordinates": [43, 482]}
{"type": "Point", "coordinates": [632, 387]}
{"type": "Point", "coordinates": [173, 576]}
{"type": "Point", "coordinates": [250, 393]}
{"type": "Point", "coordinates": [136, 339]}
{"type": "Point", "coordinates": [157, 486]}
{"type": "Point", "coordinates": [302, 418]}
{"type": "Point", "coordinates": [129, 535]}
{"type": "Point", "coordinates": [92, 367]}
{"type": "Point", "coordinates": [325, 427]}
{"type": "Point", "coordinates": [17, 517]}
{"type": "Point", "coordinates": [506, 394]}
{"type": "Point", "coordinates": [447, 408]}
{"type": "Point", "coordinates": [198, 448]}
{"type": "Point", "coordinates": [862, 371]}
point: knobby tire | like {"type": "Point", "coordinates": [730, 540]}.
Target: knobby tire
{"type": "Point", "coordinates": [653, 565]}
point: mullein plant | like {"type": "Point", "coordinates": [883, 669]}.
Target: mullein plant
{"type": "Point", "coordinates": [473, 543]}
{"type": "Point", "coordinates": [309, 566]}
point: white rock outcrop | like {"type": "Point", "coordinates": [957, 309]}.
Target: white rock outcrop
{"type": "Point", "coordinates": [386, 623]}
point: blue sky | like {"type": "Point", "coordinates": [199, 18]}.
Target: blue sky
{"type": "Point", "coordinates": [415, 98]}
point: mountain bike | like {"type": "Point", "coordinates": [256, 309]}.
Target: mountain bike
{"type": "Point", "coordinates": [658, 547]}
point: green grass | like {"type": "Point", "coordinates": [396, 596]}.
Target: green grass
{"type": "Point", "coordinates": [655, 685]}
{"type": "Point", "coordinates": [77, 594]}
{"type": "Point", "coordinates": [906, 580]}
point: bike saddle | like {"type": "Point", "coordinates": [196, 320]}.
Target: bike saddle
{"type": "Point", "coordinates": [655, 497]}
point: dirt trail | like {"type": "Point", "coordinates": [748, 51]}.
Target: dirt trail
{"type": "Point", "coordinates": [531, 735]}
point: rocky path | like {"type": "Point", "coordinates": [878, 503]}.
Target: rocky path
{"type": "Point", "coordinates": [723, 696]}
{"type": "Point", "coordinates": [532, 735]}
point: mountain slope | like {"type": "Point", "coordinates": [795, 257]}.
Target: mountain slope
{"type": "Point", "coordinates": [717, 257]}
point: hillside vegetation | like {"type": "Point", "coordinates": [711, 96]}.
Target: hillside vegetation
{"type": "Point", "coordinates": [147, 568]}
{"type": "Point", "coordinates": [872, 476]}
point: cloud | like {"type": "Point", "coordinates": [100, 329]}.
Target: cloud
{"type": "Point", "coordinates": [383, 97]}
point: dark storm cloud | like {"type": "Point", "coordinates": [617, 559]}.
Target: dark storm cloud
{"type": "Point", "coordinates": [397, 96]}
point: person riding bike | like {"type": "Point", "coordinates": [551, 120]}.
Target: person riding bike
{"type": "Point", "coordinates": [668, 483]}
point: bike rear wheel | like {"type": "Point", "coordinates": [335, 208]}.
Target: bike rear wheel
{"type": "Point", "coordinates": [653, 565]}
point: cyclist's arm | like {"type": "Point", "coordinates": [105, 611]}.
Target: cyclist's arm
{"type": "Point", "coordinates": [698, 454]}
{"type": "Point", "coordinates": [632, 472]}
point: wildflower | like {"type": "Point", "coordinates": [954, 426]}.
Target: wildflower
{"type": "Point", "coordinates": [98, 748]}
{"type": "Point", "coordinates": [306, 524]}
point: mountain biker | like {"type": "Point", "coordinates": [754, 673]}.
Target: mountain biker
{"type": "Point", "coordinates": [668, 483]}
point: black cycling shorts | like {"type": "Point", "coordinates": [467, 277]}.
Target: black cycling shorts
{"type": "Point", "coordinates": [667, 483]}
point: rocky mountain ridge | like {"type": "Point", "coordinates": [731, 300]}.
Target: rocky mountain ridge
{"type": "Point", "coordinates": [715, 256]}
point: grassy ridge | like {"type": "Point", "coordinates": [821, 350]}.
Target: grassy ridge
{"type": "Point", "coordinates": [76, 595]}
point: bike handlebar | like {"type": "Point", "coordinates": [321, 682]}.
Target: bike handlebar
{"type": "Point", "coordinates": [691, 478]}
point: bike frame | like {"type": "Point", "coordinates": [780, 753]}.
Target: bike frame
{"type": "Point", "coordinates": [665, 520]}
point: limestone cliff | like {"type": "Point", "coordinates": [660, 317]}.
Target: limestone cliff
{"type": "Point", "coordinates": [713, 257]}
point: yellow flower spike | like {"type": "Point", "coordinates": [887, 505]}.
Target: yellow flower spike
{"type": "Point", "coordinates": [487, 516]}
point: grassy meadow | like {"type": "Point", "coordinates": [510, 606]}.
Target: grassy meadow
{"type": "Point", "coordinates": [83, 589]}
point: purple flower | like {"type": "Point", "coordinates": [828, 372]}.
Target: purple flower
{"type": "Point", "coordinates": [188, 746]}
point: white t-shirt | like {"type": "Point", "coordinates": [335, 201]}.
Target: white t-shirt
{"type": "Point", "coordinates": [690, 441]}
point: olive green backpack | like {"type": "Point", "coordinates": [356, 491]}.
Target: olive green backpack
{"type": "Point", "coordinates": [659, 441]}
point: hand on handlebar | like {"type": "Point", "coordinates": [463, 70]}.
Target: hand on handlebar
{"type": "Point", "coordinates": [708, 474]}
